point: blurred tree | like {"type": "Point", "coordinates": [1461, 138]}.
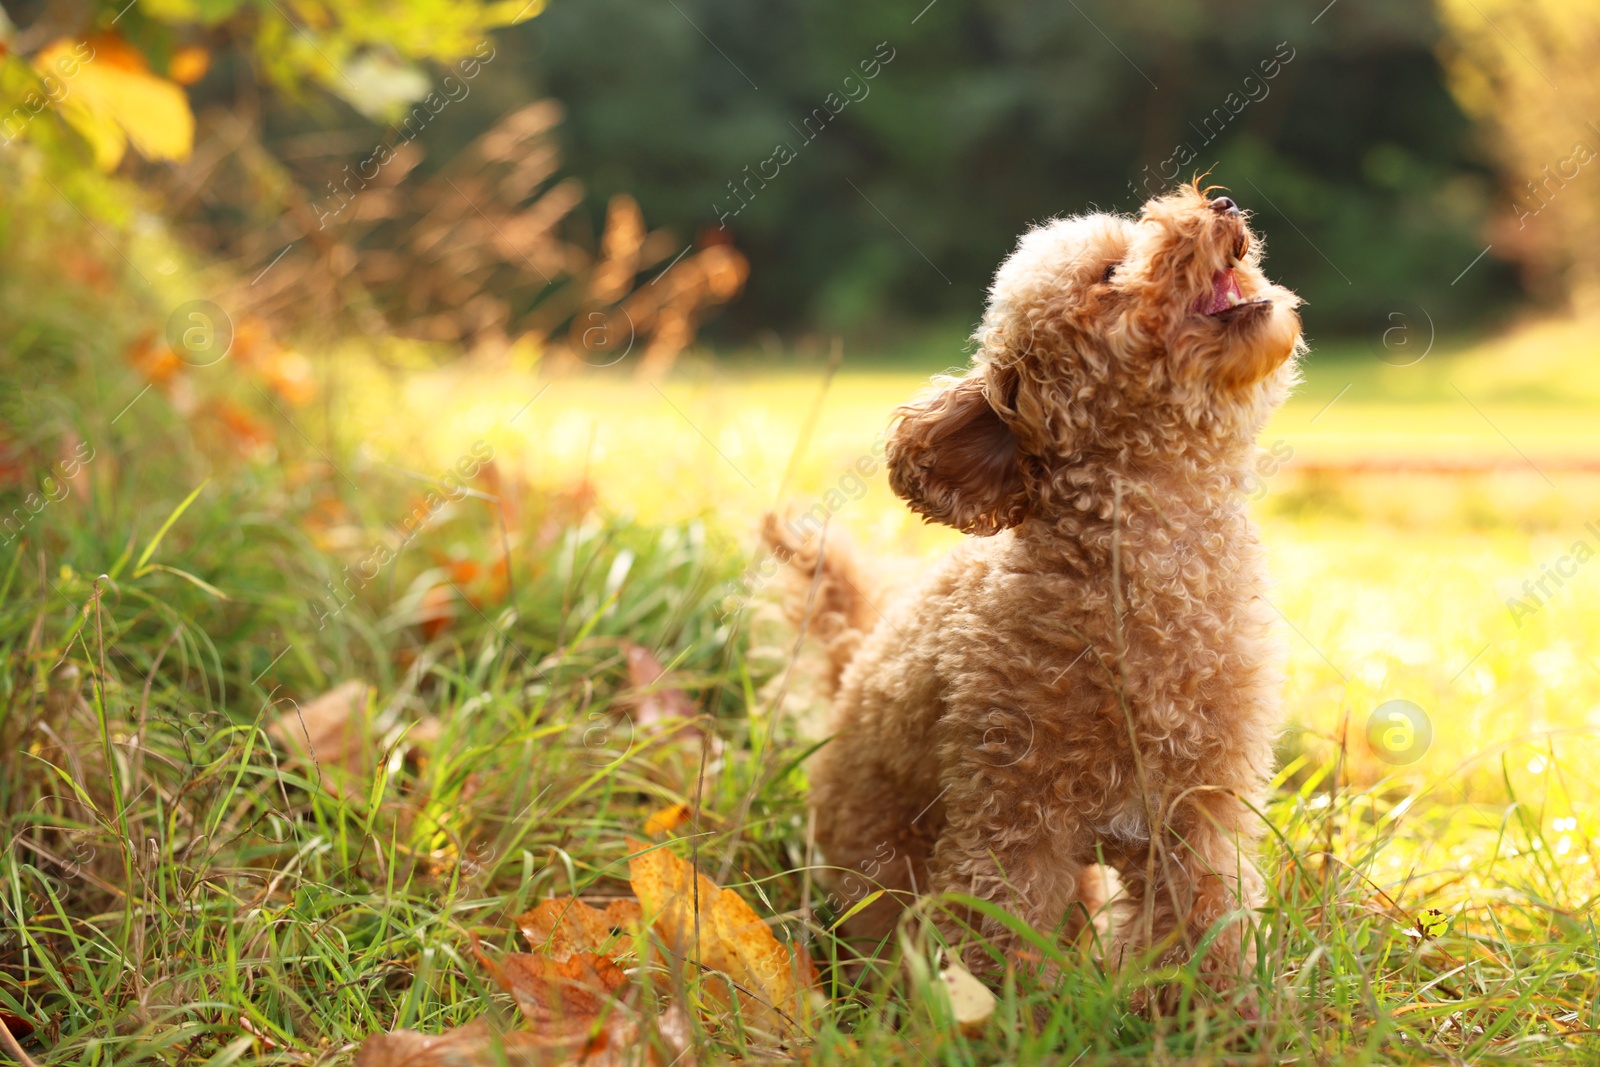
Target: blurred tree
{"type": "Point", "coordinates": [330, 199]}
{"type": "Point", "coordinates": [874, 162]}
{"type": "Point", "coordinates": [1526, 68]}
{"type": "Point", "coordinates": [986, 115]}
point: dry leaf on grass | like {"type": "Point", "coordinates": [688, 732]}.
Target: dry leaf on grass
{"type": "Point", "coordinates": [576, 1015]}
{"type": "Point", "coordinates": [664, 706]}
{"type": "Point", "coordinates": [668, 818]}
{"type": "Point", "coordinates": [473, 1045]}
{"type": "Point", "coordinates": [771, 981]}
{"type": "Point", "coordinates": [477, 1045]}
{"type": "Point", "coordinates": [334, 734]}
{"type": "Point", "coordinates": [971, 1002]}
{"type": "Point", "coordinates": [561, 926]}
{"type": "Point", "coordinates": [330, 732]}
{"type": "Point", "coordinates": [574, 995]}
{"type": "Point", "coordinates": [561, 999]}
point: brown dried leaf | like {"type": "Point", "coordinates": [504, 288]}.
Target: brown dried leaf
{"type": "Point", "coordinates": [560, 998]}
{"type": "Point", "coordinates": [619, 1044]}
{"type": "Point", "coordinates": [700, 921]}
{"type": "Point", "coordinates": [478, 1045]}
{"type": "Point", "coordinates": [664, 702]}
{"type": "Point", "coordinates": [560, 927]}
{"type": "Point", "coordinates": [473, 1045]}
{"type": "Point", "coordinates": [330, 732]}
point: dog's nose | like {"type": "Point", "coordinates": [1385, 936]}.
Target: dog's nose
{"type": "Point", "coordinates": [1223, 205]}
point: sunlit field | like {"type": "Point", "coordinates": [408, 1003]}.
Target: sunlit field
{"type": "Point", "coordinates": [1410, 506]}
{"type": "Point", "coordinates": [284, 907]}
{"type": "Point", "coordinates": [1404, 507]}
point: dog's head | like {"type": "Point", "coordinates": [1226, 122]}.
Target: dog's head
{"type": "Point", "coordinates": [1108, 342]}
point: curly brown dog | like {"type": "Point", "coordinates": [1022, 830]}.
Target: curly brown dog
{"type": "Point", "coordinates": [1093, 677]}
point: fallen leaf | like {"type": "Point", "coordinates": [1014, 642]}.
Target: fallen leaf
{"type": "Point", "coordinates": [573, 1008]}
{"type": "Point", "coordinates": [152, 358]}
{"type": "Point", "coordinates": [559, 998]}
{"type": "Point", "coordinates": [421, 738]}
{"type": "Point", "coordinates": [572, 995]}
{"type": "Point", "coordinates": [663, 705]}
{"type": "Point", "coordinates": [290, 375]}
{"type": "Point", "coordinates": [247, 433]}
{"type": "Point", "coordinates": [330, 732]}
{"type": "Point", "coordinates": [715, 927]}
{"type": "Point", "coordinates": [437, 610]}
{"type": "Point", "coordinates": [971, 1002]}
{"type": "Point", "coordinates": [668, 818]}
{"type": "Point", "coordinates": [473, 1045]}
{"type": "Point", "coordinates": [563, 926]}
{"type": "Point", "coordinates": [620, 1044]}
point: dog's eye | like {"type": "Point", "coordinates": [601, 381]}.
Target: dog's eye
{"type": "Point", "coordinates": [1105, 279]}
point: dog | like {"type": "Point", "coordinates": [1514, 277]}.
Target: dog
{"type": "Point", "coordinates": [1093, 677]}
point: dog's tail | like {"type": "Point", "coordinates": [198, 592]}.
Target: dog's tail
{"type": "Point", "coordinates": [826, 595]}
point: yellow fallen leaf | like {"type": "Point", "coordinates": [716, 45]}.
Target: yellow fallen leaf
{"type": "Point", "coordinates": [971, 1002]}
{"type": "Point", "coordinates": [668, 818]}
{"type": "Point", "coordinates": [715, 927]}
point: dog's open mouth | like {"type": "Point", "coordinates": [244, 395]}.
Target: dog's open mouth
{"type": "Point", "coordinates": [1225, 300]}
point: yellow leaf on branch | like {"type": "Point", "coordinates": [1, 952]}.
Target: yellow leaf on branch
{"type": "Point", "coordinates": [114, 101]}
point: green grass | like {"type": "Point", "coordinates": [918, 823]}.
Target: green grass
{"type": "Point", "coordinates": [179, 888]}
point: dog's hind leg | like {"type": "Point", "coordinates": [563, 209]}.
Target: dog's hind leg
{"type": "Point", "coordinates": [1008, 852]}
{"type": "Point", "coordinates": [874, 835]}
{"type": "Point", "coordinates": [1200, 886]}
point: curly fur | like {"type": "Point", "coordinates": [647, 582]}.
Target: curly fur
{"type": "Point", "coordinates": [1095, 676]}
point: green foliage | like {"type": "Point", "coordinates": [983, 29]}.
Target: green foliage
{"type": "Point", "coordinates": [366, 52]}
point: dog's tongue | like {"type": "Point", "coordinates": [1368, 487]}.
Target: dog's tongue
{"type": "Point", "coordinates": [1224, 294]}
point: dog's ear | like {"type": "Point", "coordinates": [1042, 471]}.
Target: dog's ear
{"type": "Point", "coordinates": [955, 461]}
